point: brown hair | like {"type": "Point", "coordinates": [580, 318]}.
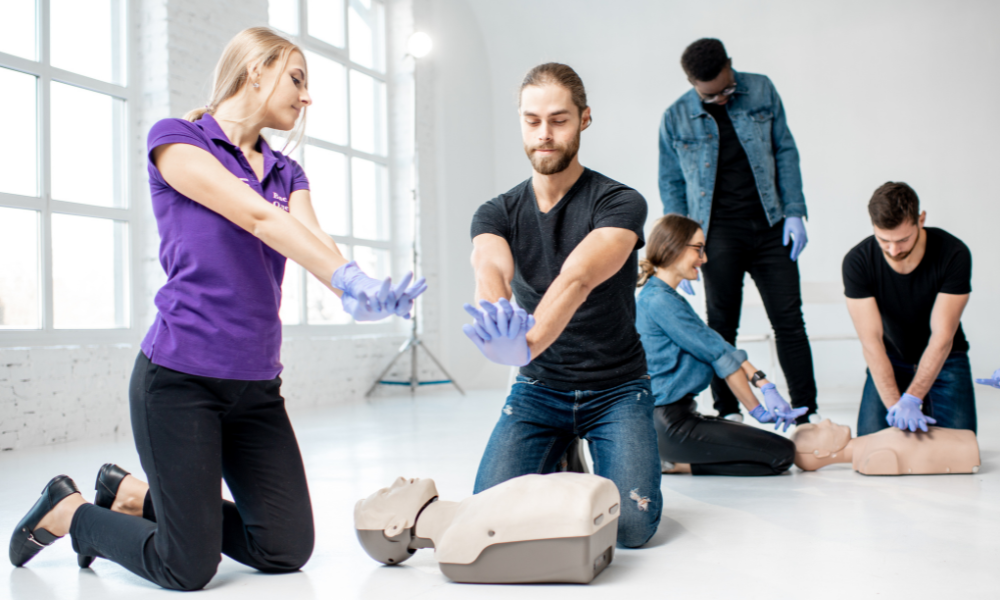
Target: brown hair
{"type": "Point", "coordinates": [668, 240]}
{"type": "Point", "coordinates": [893, 203]}
{"type": "Point", "coordinates": [558, 74]}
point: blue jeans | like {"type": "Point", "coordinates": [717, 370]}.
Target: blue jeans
{"type": "Point", "coordinates": [951, 399]}
{"type": "Point", "coordinates": [538, 423]}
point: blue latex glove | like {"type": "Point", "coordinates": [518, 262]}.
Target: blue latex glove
{"type": "Point", "coordinates": [368, 299]}
{"type": "Point", "coordinates": [781, 412]}
{"type": "Point", "coordinates": [906, 414]}
{"type": "Point", "coordinates": [685, 285]}
{"type": "Point", "coordinates": [760, 413]}
{"type": "Point", "coordinates": [995, 382]}
{"type": "Point", "coordinates": [404, 296]}
{"type": "Point", "coordinates": [796, 230]}
{"type": "Point", "coordinates": [500, 332]}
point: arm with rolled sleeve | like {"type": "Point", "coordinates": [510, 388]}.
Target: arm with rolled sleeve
{"type": "Point", "coordinates": [673, 188]}
{"type": "Point", "coordinates": [692, 335]}
{"type": "Point", "coordinates": [786, 160]}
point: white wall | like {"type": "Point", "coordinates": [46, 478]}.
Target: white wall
{"type": "Point", "coordinates": [874, 91]}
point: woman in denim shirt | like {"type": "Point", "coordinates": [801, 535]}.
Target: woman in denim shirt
{"type": "Point", "coordinates": [683, 353]}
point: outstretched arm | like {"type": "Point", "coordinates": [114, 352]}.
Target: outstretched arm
{"type": "Point", "coordinates": [300, 206]}
{"type": "Point", "coordinates": [868, 323]}
{"type": "Point", "coordinates": [494, 267]}
{"type": "Point", "coordinates": [599, 256]}
{"type": "Point", "coordinates": [945, 318]}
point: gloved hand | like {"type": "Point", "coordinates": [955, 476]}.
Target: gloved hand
{"type": "Point", "coordinates": [500, 332]}
{"type": "Point", "coordinates": [685, 285]}
{"type": "Point", "coordinates": [796, 230]}
{"type": "Point", "coordinates": [404, 297]}
{"type": "Point", "coordinates": [906, 414]}
{"type": "Point", "coordinates": [781, 412]}
{"type": "Point", "coordinates": [995, 382]}
{"type": "Point", "coordinates": [368, 299]}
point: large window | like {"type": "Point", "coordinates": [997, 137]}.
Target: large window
{"type": "Point", "coordinates": [64, 208]}
{"type": "Point", "coordinates": [345, 153]}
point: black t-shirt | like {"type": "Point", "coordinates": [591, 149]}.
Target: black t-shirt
{"type": "Point", "coordinates": [600, 347]}
{"type": "Point", "coordinates": [735, 197]}
{"type": "Point", "coordinates": [906, 301]}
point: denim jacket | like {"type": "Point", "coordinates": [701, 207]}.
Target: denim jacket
{"type": "Point", "coordinates": [689, 152]}
{"type": "Point", "coordinates": [682, 352]}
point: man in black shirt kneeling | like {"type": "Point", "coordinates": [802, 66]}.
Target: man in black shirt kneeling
{"type": "Point", "coordinates": [564, 243]}
{"type": "Point", "coordinates": [906, 288]}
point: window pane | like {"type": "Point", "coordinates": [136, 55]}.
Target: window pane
{"type": "Point", "coordinates": [324, 307]}
{"type": "Point", "coordinates": [89, 273]}
{"type": "Point", "coordinates": [284, 15]}
{"type": "Point", "coordinates": [19, 307]}
{"type": "Point", "coordinates": [291, 295]}
{"type": "Point", "coordinates": [86, 38]}
{"type": "Point", "coordinates": [370, 192]}
{"type": "Point", "coordinates": [327, 172]}
{"type": "Point", "coordinates": [19, 152]}
{"type": "Point", "coordinates": [368, 114]}
{"type": "Point", "coordinates": [366, 22]}
{"type": "Point", "coordinates": [327, 117]}
{"type": "Point", "coordinates": [17, 29]}
{"type": "Point", "coordinates": [326, 21]}
{"type": "Point", "coordinates": [86, 144]}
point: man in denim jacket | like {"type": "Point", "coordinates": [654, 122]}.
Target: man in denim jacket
{"type": "Point", "coordinates": [728, 160]}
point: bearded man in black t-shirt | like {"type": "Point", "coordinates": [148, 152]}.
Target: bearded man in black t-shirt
{"type": "Point", "coordinates": [564, 243]}
{"type": "Point", "coordinates": [906, 288]}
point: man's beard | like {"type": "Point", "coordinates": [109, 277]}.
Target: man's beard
{"type": "Point", "coordinates": [902, 256]}
{"type": "Point", "coordinates": [557, 163]}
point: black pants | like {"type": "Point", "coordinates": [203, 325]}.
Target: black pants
{"type": "Point", "coordinates": [192, 432]}
{"type": "Point", "coordinates": [735, 248]}
{"type": "Point", "coordinates": [715, 446]}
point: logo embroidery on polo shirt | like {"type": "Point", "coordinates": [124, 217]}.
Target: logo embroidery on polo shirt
{"type": "Point", "coordinates": [280, 202]}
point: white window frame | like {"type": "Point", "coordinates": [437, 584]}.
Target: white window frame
{"type": "Point", "coordinates": [46, 206]}
{"type": "Point", "coordinates": [342, 56]}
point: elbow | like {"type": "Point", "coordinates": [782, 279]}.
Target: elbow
{"type": "Point", "coordinates": [260, 223]}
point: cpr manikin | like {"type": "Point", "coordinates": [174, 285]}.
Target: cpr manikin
{"type": "Point", "coordinates": [890, 451]}
{"type": "Point", "coordinates": [557, 528]}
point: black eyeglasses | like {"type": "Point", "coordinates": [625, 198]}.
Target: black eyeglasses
{"type": "Point", "coordinates": [701, 249]}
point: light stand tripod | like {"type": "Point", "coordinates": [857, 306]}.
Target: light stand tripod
{"type": "Point", "coordinates": [419, 46]}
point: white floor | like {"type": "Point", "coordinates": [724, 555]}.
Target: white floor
{"type": "Point", "coordinates": [830, 534]}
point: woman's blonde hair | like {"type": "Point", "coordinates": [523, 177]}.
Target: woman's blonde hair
{"type": "Point", "coordinates": [256, 44]}
{"type": "Point", "coordinates": [668, 240]}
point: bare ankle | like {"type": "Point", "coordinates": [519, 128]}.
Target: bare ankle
{"type": "Point", "coordinates": [58, 520]}
{"type": "Point", "coordinates": [130, 497]}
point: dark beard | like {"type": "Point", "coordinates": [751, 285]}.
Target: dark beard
{"type": "Point", "coordinates": [554, 164]}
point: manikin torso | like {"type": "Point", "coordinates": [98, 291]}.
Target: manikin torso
{"type": "Point", "coordinates": [891, 451]}
{"type": "Point", "coordinates": [535, 528]}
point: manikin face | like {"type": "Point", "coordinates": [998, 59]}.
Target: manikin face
{"type": "Point", "coordinates": [692, 258]}
{"type": "Point", "coordinates": [395, 505]}
{"type": "Point", "coordinates": [898, 243]}
{"type": "Point", "coordinates": [821, 439]}
{"type": "Point", "coordinates": [550, 127]}
{"type": "Point", "coordinates": [291, 93]}
{"type": "Point", "coordinates": [719, 90]}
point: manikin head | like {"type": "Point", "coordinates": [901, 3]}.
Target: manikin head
{"type": "Point", "coordinates": [676, 245]}
{"type": "Point", "coordinates": [820, 444]}
{"type": "Point", "coordinates": [553, 107]}
{"type": "Point", "coordinates": [896, 219]}
{"type": "Point", "coordinates": [709, 70]}
{"type": "Point", "coordinates": [385, 519]}
{"type": "Point", "coordinates": [262, 79]}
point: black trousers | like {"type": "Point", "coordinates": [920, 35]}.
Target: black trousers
{"type": "Point", "coordinates": [192, 432]}
{"type": "Point", "coordinates": [735, 248]}
{"type": "Point", "coordinates": [715, 446]}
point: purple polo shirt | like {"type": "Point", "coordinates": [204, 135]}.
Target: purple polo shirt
{"type": "Point", "coordinates": [218, 312]}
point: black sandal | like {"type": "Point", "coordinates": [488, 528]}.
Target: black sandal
{"type": "Point", "coordinates": [109, 479]}
{"type": "Point", "coordinates": [28, 540]}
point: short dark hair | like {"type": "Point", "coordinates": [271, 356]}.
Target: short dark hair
{"type": "Point", "coordinates": [704, 59]}
{"type": "Point", "coordinates": [558, 74]}
{"type": "Point", "coordinates": [893, 203]}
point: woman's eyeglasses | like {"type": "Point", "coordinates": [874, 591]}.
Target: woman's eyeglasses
{"type": "Point", "coordinates": [701, 249]}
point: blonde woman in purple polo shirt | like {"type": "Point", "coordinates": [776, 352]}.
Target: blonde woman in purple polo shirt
{"type": "Point", "coordinates": [205, 393]}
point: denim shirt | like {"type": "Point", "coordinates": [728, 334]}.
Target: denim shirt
{"type": "Point", "coordinates": [689, 152]}
{"type": "Point", "coordinates": [682, 352]}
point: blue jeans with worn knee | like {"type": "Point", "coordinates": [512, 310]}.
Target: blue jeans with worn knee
{"type": "Point", "coordinates": [538, 423]}
{"type": "Point", "coordinates": [951, 400]}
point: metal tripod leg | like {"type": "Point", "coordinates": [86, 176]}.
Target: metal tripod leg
{"type": "Point", "coordinates": [439, 365]}
{"type": "Point", "coordinates": [402, 350]}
